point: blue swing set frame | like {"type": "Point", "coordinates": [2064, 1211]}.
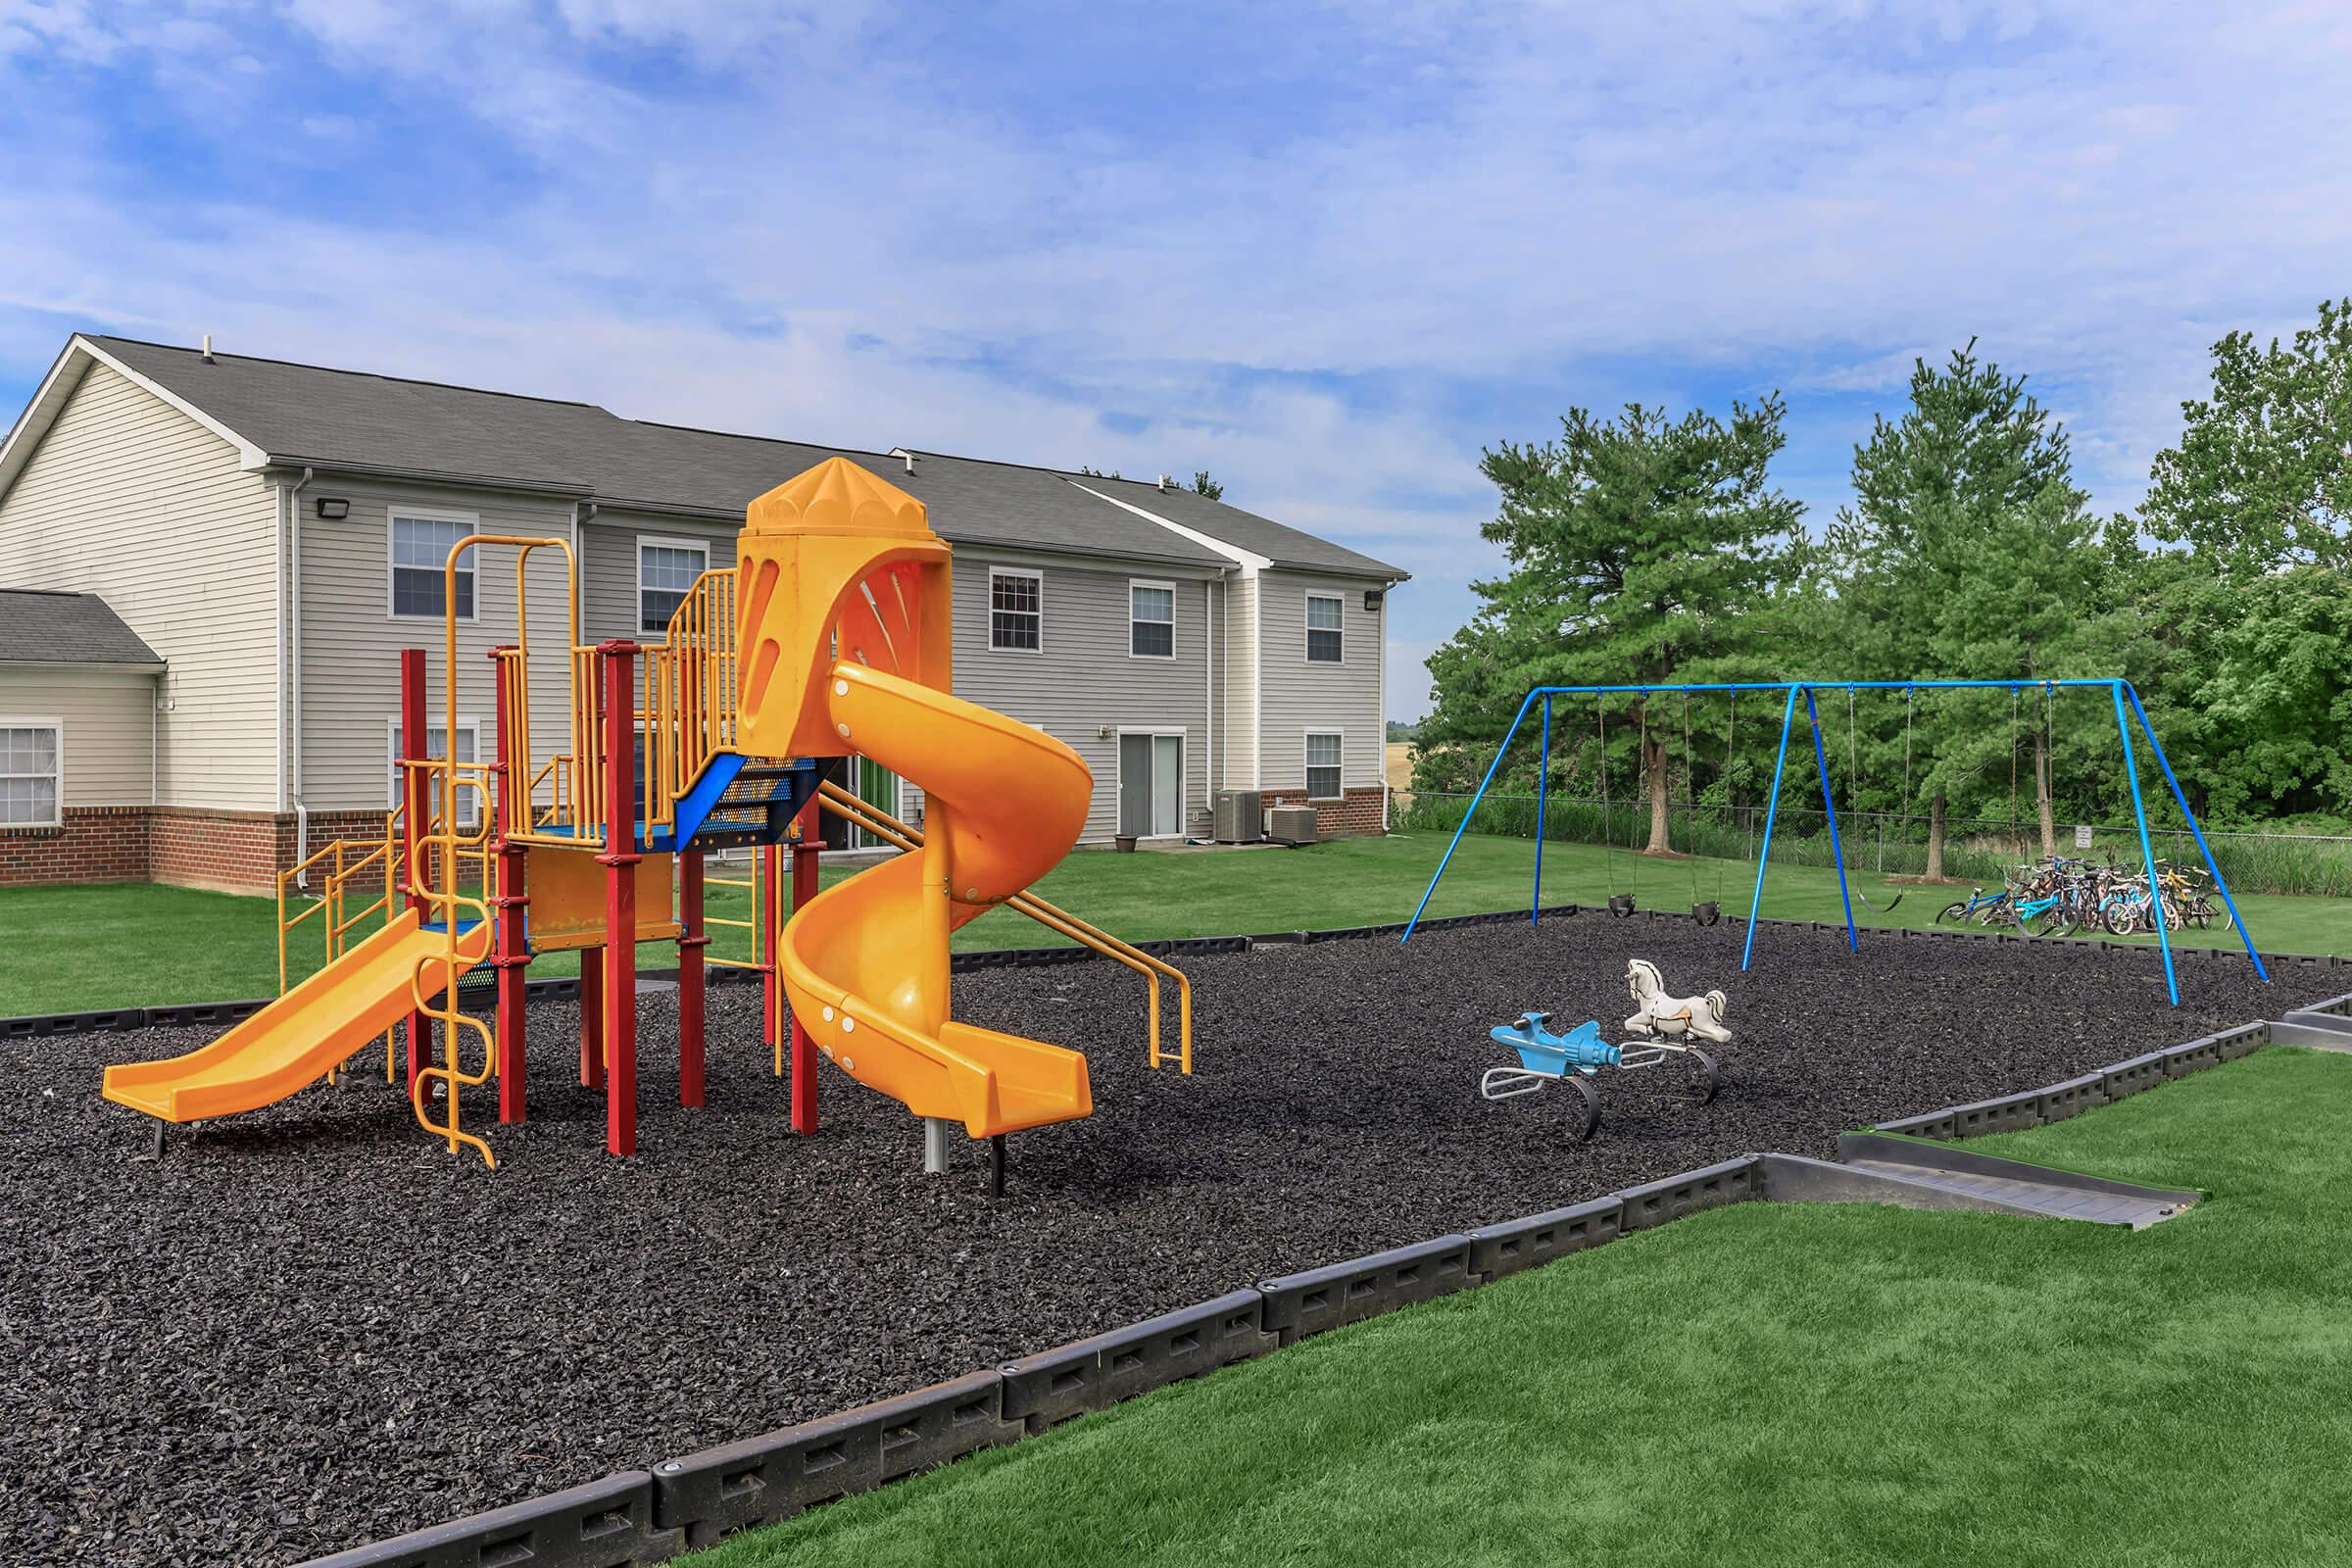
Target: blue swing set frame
{"type": "Point", "coordinates": [2120, 694]}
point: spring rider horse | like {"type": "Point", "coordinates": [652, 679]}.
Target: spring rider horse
{"type": "Point", "coordinates": [1575, 1057]}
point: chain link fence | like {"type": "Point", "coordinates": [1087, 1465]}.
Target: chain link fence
{"type": "Point", "coordinates": [1976, 849]}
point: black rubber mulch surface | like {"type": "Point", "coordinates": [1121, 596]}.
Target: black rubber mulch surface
{"type": "Point", "coordinates": [313, 1327]}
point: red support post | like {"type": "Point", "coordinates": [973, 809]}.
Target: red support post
{"type": "Point", "coordinates": [619, 859]}
{"type": "Point", "coordinates": [416, 802]}
{"type": "Point", "coordinates": [805, 850]}
{"type": "Point", "coordinates": [508, 952]}
{"type": "Point", "coordinates": [592, 1017]}
{"type": "Point", "coordinates": [690, 942]}
{"type": "Point", "coordinates": [767, 895]}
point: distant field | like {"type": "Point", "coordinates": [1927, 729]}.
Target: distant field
{"type": "Point", "coordinates": [1400, 764]}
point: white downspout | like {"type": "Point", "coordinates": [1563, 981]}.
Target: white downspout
{"type": "Point", "coordinates": [1209, 690]}
{"type": "Point", "coordinates": [302, 810]}
{"type": "Point", "coordinates": [1381, 688]}
{"type": "Point", "coordinates": [277, 575]}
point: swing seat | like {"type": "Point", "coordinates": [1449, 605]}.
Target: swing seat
{"type": "Point", "coordinates": [1621, 905]}
{"type": "Point", "coordinates": [1707, 913]}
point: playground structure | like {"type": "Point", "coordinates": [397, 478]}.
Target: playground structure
{"type": "Point", "coordinates": [829, 637]}
{"type": "Point", "coordinates": [1575, 1059]}
{"type": "Point", "coordinates": [2123, 699]}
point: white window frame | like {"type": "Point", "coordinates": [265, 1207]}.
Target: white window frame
{"type": "Point", "coordinates": [1034, 575]}
{"type": "Point", "coordinates": [1133, 583]}
{"type": "Point", "coordinates": [1307, 630]}
{"type": "Point", "coordinates": [1183, 768]}
{"type": "Point", "coordinates": [470, 522]}
{"type": "Point", "coordinates": [1307, 769]}
{"type": "Point", "coordinates": [645, 542]}
{"type": "Point", "coordinates": [58, 819]}
{"type": "Point", "coordinates": [471, 799]}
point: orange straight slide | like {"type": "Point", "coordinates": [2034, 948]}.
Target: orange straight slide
{"type": "Point", "coordinates": [299, 1037]}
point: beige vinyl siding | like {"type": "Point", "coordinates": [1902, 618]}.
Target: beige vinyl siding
{"type": "Point", "coordinates": [131, 500]}
{"type": "Point", "coordinates": [1237, 747]}
{"type": "Point", "coordinates": [1083, 678]}
{"type": "Point", "coordinates": [351, 645]}
{"type": "Point", "coordinates": [108, 717]}
{"type": "Point", "coordinates": [609, 567]}
{"type": "Point", "coordinates": [1299, 696]}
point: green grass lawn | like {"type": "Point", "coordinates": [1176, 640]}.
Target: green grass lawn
{"type": "Point", "coordinates": [87, 948]}
{"type": "Point", "coordinates": [1765, 1385]}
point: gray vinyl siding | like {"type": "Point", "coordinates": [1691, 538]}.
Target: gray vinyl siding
{"type": "Point", "coordinates": [351, 642]}
{"type": "Point", "coordinates": [1237, 744]}
{"type": "Point", "coordinates": [108, 717]}
{"type": "Point", "coordinates": [1083, 678]}
{"type": "Point", "coordinates": [609, 568]}
{"type": "Point", "coordinates": [130, 499]}
{"type": "Point", "coordinates": [1299, 696]}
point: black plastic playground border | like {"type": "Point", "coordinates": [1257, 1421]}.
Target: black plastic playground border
{"type": "Point", "coordinates": [638, 1517]}
{"type": "Point", "coordinates": [123, 1019]}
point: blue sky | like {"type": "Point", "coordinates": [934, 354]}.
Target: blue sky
{"type": "Point", "coordinates": [1324, 250]}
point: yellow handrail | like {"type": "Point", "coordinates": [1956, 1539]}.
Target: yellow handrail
{"type": "Point", "coordinates": [688, 713]}
{"type": "Point", "coordinates": [873, 820]}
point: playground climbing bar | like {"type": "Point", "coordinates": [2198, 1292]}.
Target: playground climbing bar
{"type": "Point", "coordinates": [2121, 696]}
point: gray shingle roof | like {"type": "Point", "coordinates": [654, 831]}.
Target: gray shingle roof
{"type": "Point", "coordinates": [1246, 530]}
{"type": "Point", "coordinates": [53, 628]}
{"type": "Point", "coordinates": [356, 423]}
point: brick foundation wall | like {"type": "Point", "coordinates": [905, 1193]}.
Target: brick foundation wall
{"type": "Point", "coordinates": [94, 844]}
{"type": "Point", "coordinates": [193, 847]}
{"type": "Point", "coordinates": [228, 851]}
{"type": "Point", "coordinates": [1353, 816]}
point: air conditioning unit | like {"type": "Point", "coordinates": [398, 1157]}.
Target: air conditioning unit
{"type": "Point", "coordinates": [1291, 824]}
{"type": "Point", "coordinates": [1241, 816]}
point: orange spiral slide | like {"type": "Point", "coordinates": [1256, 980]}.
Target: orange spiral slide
{"type": "Point", "coordinates": [843, 598]}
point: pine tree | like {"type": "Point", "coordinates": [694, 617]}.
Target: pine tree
{"type": "Point", "coordinates": [1640, 552]}
{"type": "Point", "coordinates": [1968, 553]}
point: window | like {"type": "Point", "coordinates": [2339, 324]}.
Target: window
{"type": "Point", "coordinates": [420, 545]}
{"type": "Point", "coordinates": [1323, 628]}
{"type": "Point", "coordinates": [436, 744]}
{"type": "Point", "coordinates": [665, 569]}
{"type": "Point", "coordinates": [1151, 619]}
{"type": "Point", "coordinates": [31, 753]}
{"type": "Point", "coordinates": [1015, 610]}
{"type": "Point", "coordinates": [1323, 767]}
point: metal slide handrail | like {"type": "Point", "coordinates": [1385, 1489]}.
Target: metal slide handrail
{"type": "Point", "coordinates": [873, 820]}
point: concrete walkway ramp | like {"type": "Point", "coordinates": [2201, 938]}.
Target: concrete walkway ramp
{"type": "Point", "coordinates": [2316, 1027]}
{"type": "Point", "coordinates": [1920, 1173]}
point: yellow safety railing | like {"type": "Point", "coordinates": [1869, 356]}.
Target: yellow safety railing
{"type": "Point", "coordinates": [687, 709]}
{"type": "Point", "coordinates": [841, 802]}
{"type": "Point", "coordinates": [569, 815]}
{"type": "Point", "coordinates": [342, 864]}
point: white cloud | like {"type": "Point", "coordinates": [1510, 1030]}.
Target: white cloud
{"type": "Point", "coordinates": [1300, 256]}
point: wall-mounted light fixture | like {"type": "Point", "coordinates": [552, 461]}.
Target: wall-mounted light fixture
{"type": "Point", "coordinates": [1106, 732]}
{"type": "Point", "coordinates": [1372, 598]}
{"type": "Point", "coordinates": [333, 508]}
